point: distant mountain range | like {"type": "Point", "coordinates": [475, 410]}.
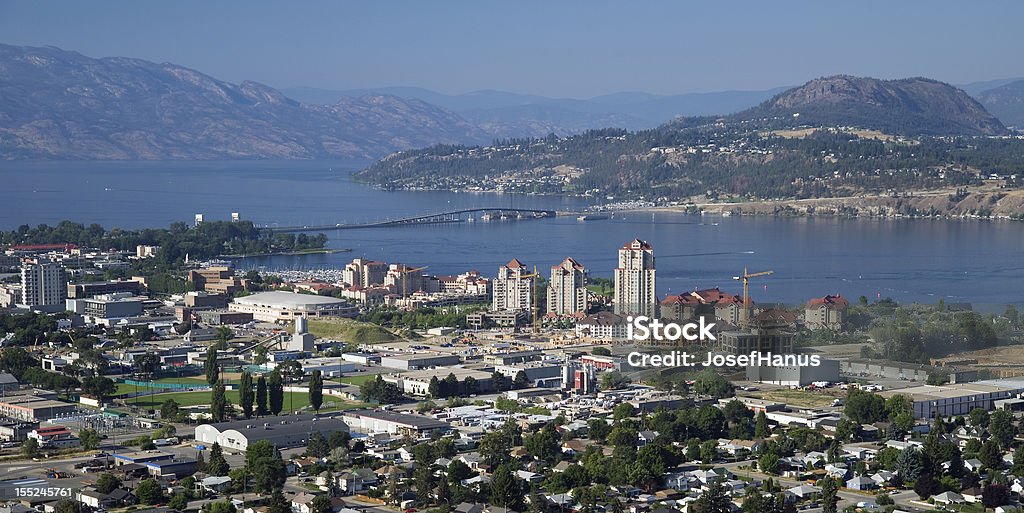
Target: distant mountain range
{"type": "Point", "coordinates": [57, 104]}
{"type": "Point", "coordinates": [503, 114]}
{"type": "Point", "coordinates": [1006, 102]}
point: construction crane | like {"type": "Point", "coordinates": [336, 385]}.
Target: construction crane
{"type": "Point", "coordinates": [405, 270]}
{"type": "Point", "coordinates": [745, 313]}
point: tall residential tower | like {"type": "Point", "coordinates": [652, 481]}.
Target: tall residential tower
{"type": "Point", "coordinates": [513, 288]}
{"type": "Point", "coordinates": [567, 290]}
{"type": "Point", "coordinates": [634, 280]}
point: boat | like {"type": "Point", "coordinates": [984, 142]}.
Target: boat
{"type": "Point", "coordinates": [593, 217]}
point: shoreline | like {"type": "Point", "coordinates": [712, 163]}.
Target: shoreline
{"type": "Point", "coordinates": [320, 251]}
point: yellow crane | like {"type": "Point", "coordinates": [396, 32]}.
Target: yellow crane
{"type": "Point", "coordinates": [404, 270]}
{"type": "Point", "coordinates": [745, 312]}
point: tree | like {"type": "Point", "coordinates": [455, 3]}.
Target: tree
{"type": "Point", "coordinates": [246, 396]}
{"type": "Point", "coordinates": [769, 463]}
{"type": "Point", "coordinates": [30, 448]}
{"type": "Point", "coordinates": [520, 381]}
{"type": "Point", "coordinates": [995, 495]}
{"type": "Point", "coordinates": [708, 451]}
{"type": "Point", "coordinates": [89, 438]}
{"type": "Point", "coordinates": [991, 455]}
{"type": "Point", "coordinates": [223, 506]}
{"type": "Point", "coordinates": [543, 445]}
{"type": "Point", "coordinates": [321, 504]}
{"type": "Point", "coordinates": [506, 488]}
{"type": "Point", "coordinates": [1000, 425]}
{"type": "Point", "coordinates": [99, 387]}
{"type": "Point", "coordinates": [864, 407]}
{"type": "Point", "coordinates": [261, 396]}
{"type": "Point", "coordinates": [978, 417]}
{"type": "Point", "coordinates": [275, 392]}
{"type": "Point", "coordinates": [107, 483]}
{"type": "Point", "coordinates": [711, 383]}
{"type": "Point", "coordinates": [169, 409]}
{"type": "Point", "coordinates": [316, 390]}
{"type": "Point", "coordinates": [211, 367]}
{"type": "Point", "coordinates": [908, 464]}
{"type": "Point", "coordinates": [218, 402]}
{"type": "Point", "coordinates": [714, 500]}
{"type": "Point", "coordinates": [761, 429]}
{"type": "Point", "coordinates": [829, 495]}
{"type": "Point", "coordinates": [612, 380]}
{"type": "Point", "coordinates": [68, 506]}
{"type": "Point", "coordinates": [926, 486]}
{"type": "Point", "coordinates": [264, 463]}
{"type": "Point", "coordinates": [149, 492]}
{"type": "Point", "coordinates": [217, 466]}
{"type": "Point", "coordinates": [278, 504]}
{"type": "Point", "coordinates": [317, 445]}
{"type": "Point", "coordinates": [224, 334]}
{"type": "Point", "coordinates": [622, 411]}
{"type": "Point", "coordinates": [179, 501]}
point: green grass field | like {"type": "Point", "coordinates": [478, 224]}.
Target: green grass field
{"type": "Point", "coordinates": [292, 400]}
{"type": "Point", "coordinates": [351, 331]}
{"type": "Point", "coordinates": [355, 380]}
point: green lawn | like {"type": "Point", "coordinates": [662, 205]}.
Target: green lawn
{"type": "Point", "coordinates": [292, 400]}
{"type": "Point", "coordinates": [351, 331]}
{"type": "Point", "coordinates": [356, 380]}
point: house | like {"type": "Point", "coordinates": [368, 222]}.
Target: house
{"type": "Point", "coordinates": [882, 478]}
{"type": "Point", "coordinates": [303, 503]}
{"type": "Point", "coordinates": [645, 437]}
{"type": "Point", "coordinates": [215, 484]}
{"type": "Point", "coordinates": [94, 499]}
{"type": "Point", "coordinates": [803, 492]}
{"type": "Point", "coordinates": [837, 470]}
{"type": "Point", "coordinates": [122, 497]}
{"type": "Point", "coordinates": [948, 498]}
{"type": "Point", "coordinates": [529, 477]}
{"type": "Point", "coordinates": [355, 481]}
{"type": "Point", "coordinates": [972, 494]}
{"type": "Point", "coordinates": [576, 446]}
{"type": "Point", "coordinates": [973, 464]}
{"type": "Point", "coordinates": [862, 483]}
{"type": "Point", "coordinates": [561, 466]}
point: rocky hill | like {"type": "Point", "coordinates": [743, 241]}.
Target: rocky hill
{"type": "Point", "coordinates": [63, 105]}
{"type": "Point", "coordinates": [911, 106]}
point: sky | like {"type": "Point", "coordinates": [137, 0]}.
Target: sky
{"type": "Point", "coordinates": [566, 48]}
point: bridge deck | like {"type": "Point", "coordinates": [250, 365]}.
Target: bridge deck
{"type": "Point", "coordinates": [452, 216]}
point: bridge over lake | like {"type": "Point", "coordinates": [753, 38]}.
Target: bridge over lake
{"type": "Point", "coordinates": [452, 216]}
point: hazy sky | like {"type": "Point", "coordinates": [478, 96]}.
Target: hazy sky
{"type": "Point", "coordinates": [557, 48]}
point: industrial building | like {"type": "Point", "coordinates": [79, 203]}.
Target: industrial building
{"type": "Point", "coordinates": [284, 432]}
{"type": "Point", "coordinates": [381, 421]}
{"type": "Point", "coordinates": [408, 362]}
{"type": "Point", "coordinates": [958, 399]}
{"type": "Point", "coordinates": [286, 306]}
{"type": "Point", "coordinates": [796, 375]}
{"type": "Point", "coordinates": [32, 408]}
{"type": "Point", "coordinates": [903, 370]}
{"type": "Point", "coordinates": [418, 382]}
{"type": "Point", "coordinates": [328, 367]}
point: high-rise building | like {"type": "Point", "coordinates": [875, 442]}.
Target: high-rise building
{"type": "Point", "coordinates": [634, 280]}
{"type": "Point", "coordinates": [513, 288]}
{"type": "Point", "coordinates": [567, 290]}
{"type": "Point", "coordinates": [44, 285]}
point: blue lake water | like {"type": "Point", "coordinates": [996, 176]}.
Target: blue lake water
{"type": "Point", "coordinates": [909, 260]}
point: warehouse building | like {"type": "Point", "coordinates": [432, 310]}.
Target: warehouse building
{"type": "Point", "coordinates": [381, 421]}
{"type": "Point", "coordinates": [903, 370]}
{"type": "Point", "coordinates": [958, 399]}
{"type": "Point", "coordinates": [284, 432]}
{"type": "Point", "coordinates": [286, 306]}
{"type": "Point", "coordinates": [407, 362]}
{"type": "Point", "coordinates": [31, 408]}
{"type": "Point", "coordinates": [795, 375]}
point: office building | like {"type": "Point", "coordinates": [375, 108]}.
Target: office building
{"type": "Point", "coordinates": [635, 292]}
{"type": "Point", "coordinates": [513, 288]}
{"type": "Point", "coordinates": [84, 290]}
{"type": "Point", "coordinates": [567, 290]}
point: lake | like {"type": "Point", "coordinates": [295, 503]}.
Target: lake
{"type": "Point", "coordinates": [909, 260]}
